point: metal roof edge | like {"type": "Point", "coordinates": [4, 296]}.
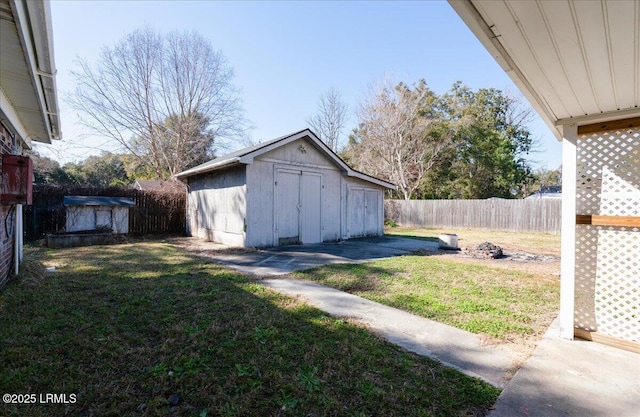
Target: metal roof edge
{"type": "Point", "coordinates": [247, 155]}
{"type": "Point", "coordinates": [83, 200]}
{"type": "Point", "coordinates": [356, 174]}
{"type": "Point", "coordinates": [207, 167]}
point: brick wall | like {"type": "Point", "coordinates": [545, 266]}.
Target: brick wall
{"type": "Point", "coordinates": [7, 225]}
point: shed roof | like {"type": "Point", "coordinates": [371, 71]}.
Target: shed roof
{"type": "Point", "coordinates": [577, 62]}
{"type": "Point", "coordinates": [148, 184]}
{"type": "Point", "coordinates": [81, 200]}
{"type": "Point", "coordinates": [247, 155]}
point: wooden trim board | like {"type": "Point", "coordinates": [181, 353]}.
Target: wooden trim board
{"type": "Point", "coordinates": [607, 340]}
{"type": "Point", "coordinates": [610, 125]}
{"type": "Point", "coordinates": [622, 221]}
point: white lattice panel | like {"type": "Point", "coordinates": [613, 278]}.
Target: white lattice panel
{"type": "Point", "coordinates": [617, 289]}
{"type": "Point", "coordinates": [608, 259]}
{"type": "Point", "coordinates": [585, 273]}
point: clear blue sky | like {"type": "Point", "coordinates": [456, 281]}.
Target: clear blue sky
{"type": "Point", "coordinates": [286, 54]}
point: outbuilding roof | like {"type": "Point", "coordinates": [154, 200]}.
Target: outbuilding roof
{"type": "Point", "coordinates": [247, 155]}
{"type": "Point", "coordinates": [81, 200]}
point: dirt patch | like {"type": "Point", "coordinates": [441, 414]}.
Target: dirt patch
{"type": "Point", "coordinates": [544, 266]}
{"type": "Point", "coordinates": [202, 247]}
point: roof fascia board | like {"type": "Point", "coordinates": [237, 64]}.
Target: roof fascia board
{"type": "Point", "coordinates": [24, 27]}
{"type": "Point", "coordinates": [209, 168]}
{"type": "Point", "coordinates": [481, 29]}
{"type": "Point", "coordinates": [365, 177]}
{"type": "Point", "coordinates": [248, 158]}
{"type": "Point", "coordinates": [600, 117]}
{"type": "Point", "coordinates": [9, 112]}
{"type": "Point", "coordinates": [40, 13]}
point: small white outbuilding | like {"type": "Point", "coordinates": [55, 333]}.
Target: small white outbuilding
{"type": "Point", "coordinates": [292, 189]}
{"type": "Point", "coordinates": [89, 213]}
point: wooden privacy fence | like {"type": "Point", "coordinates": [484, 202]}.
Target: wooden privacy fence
{"type": "Point", "coordinates": [155, 212]}
{"type": "Point", "coordinates": [532, 215]}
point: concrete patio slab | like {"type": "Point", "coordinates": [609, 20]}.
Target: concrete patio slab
{"type": "Point", "coordinates": [573, 378]}
{"type": "Point", "coordinates": [286, 259]}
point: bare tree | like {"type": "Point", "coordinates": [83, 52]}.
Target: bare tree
{"type": "Point", "coordinates": [167, 99]}
{"type": "Point", "coordinates": [329, 120]}
{"type": "Point", "coordinates": [399, 137]}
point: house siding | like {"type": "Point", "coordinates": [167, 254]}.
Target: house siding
{"type": "Point", "coordinates": [7, 145]}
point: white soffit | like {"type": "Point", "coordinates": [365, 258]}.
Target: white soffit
{"type": "Point", "coordinates": [578, 62]}
{"type": "Point", "coordinates": [27, 70]}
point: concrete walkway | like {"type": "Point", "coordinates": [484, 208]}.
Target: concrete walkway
{"type": "Point", "coordinates": [453, 347]}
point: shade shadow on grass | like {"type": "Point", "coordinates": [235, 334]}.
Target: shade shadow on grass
{"type": "Point", "coordinates": [127, 327]}
{"type": "Point", "coordinates": [352, 278]}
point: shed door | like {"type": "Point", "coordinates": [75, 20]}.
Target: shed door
{"type": "Point", "coordinates": [298, 207]}
{"type": "Point", "coordinates": [288, 207]}
{"type": "Point", "coordinates": [103, 218]}
{"type": "Point", "coordinates": [371, 212]}
{"type": "Point", "coordinates": [355, 212]}
{"type": "Point", "coordinates": [310, 204]}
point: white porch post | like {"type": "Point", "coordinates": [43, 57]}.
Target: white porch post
{"type": "Point", "coordinates": [568, 248]}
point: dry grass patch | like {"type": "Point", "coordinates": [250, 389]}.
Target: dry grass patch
{"type": "Point", "coordinates": [538, 243]}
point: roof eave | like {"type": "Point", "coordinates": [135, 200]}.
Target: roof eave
{"type": "Point", "coordinates": [34, 29]}
{"type": "Point", "coordinates": [368, 178]}
{"type": "Point", "coordinates": [486, 32]}
{"type": "Point", "coordinates": [207, 168]}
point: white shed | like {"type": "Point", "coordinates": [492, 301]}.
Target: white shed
{"type": "Point", "coordinates": [88, 213]}
{"type": "Point", "coordinates": [292, 189]}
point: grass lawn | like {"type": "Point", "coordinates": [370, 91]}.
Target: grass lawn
{"type": "Point", "coordinates": [500, 302]}
{"type": "Point", "coordinates": [129, 329]}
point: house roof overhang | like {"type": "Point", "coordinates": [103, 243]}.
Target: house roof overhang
{"type": "Point", "coordinates": [28, 95]}
{"type": "Point", "coordinates": [577, 62]}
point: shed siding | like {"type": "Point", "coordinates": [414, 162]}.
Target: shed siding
{"type": "Point", "coordinates": [217, 206]}
{"type": "Point", "coordinates": [260, 200]}
{"type": "Point", "coordinates": [86, 218]}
